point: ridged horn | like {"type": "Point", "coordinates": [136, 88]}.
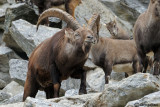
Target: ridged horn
{"type": "Point", "coordinates": [52, 12]}
{"type": "Point", "coordinates": [92, 21]}
{"type": "Point", "coordinates": [94, 24]}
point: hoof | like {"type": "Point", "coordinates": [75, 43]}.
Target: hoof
{"type": "Point", "coordinates": [81, 92]}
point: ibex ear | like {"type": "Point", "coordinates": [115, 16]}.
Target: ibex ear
{"type": "Point", "coordinates": [94, 24]}
{"type": "Point", "coordinates": [69, 34]}
{"type": "Point", "coordinates": [153, 1]}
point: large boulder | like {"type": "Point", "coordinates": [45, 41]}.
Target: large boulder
{"type": "Point", "coordinates": [3, 1]}
{"type": "Point", "coordinates": [26, 35]}
{"type": "Point", "coordinates": [15, 12]}
{"type": "Point", "coordinates": [13, 88]}
{"type": "Point", "coordinates": [72, 101]}
{"type": "Point", "coordinates": [129, 89]}
{"type": "Point", "coordinates": [5, 55]}
{"type": "Point", "coordinates": [18, 70]}
{"type": "Point", "coordinates": [20, 104]}
{"type": "Point", "coordinates": [2, 14]}
{"type": "Point", "coordinates": [19, 97]}
{"type": "Point", "coordinates": [127, 10]}
{"type": "Point", "coordinates": [2, 83]}
{"type": "Point", "coordinates": [151, 100]}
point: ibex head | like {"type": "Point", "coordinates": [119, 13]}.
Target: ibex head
{"type": "Point", "coordinates": [155, 5]}
{"type": "Point", "coordinates": [76, 34]}
{"type": "Point", "coordinates": [112, 27]}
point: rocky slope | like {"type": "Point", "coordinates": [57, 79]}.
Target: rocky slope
{"type": "Point", "coordinates": [18, 31]}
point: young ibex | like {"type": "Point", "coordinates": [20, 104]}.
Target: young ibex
{"type": "Point", "coordinates": [109, 52]}
{"type": "Point", "coordinates": [60, 56]}
{"type": "Point", "coordinates": [116, 31]}
{"type": "Point", "coordinates": [147, 35]}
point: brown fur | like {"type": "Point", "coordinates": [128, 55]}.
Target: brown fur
{"type": "Point", "coordinates": [70, 6]}
{"type": "Point", "coordinates": [57, 58]}
{"type": "Point", "coordinates": [116, 31]}
{"type": "Point", "coordinates": [109, 52]}
{"type": "Point", "coordinates": [147, 34]}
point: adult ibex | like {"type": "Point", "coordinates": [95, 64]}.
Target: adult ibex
{"type": "Point", "coordinates": [60, 56]}
{"type": "Point", "coordinates": [147, 35]}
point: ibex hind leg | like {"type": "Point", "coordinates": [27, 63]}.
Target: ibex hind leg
{"type": "Point", "coordinates": [157, 62]}
{"type": "Point", "coordinates": [143, 61]}
{"type": "Point", "coordinates": [31, 87]}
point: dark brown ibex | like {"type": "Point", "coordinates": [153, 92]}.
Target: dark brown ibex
{"type": "Point", "coordinates": [147, 35]}
{"type": "Point", "coordinates": [60, 56]}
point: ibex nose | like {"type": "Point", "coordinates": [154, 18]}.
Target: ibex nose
{"type": "Point", "coordinates": [90, 37]}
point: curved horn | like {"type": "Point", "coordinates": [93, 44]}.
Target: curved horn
{"type": "Point", "coordinates": [93, 23]}
{"type": "Point", "coordinates": [71, 22]}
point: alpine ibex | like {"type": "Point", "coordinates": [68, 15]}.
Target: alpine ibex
{"type": "Point", "coordinates": [109, 52]}
{"type": "Point", "coordinates": [147, 35]}
{"type": "Point", "coordinates": [60, 56]}
{"type": "Point", "coordinates": [116, 31]}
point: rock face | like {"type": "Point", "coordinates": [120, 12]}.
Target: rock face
{"type": "Point", "coordinates": [18, 70]}
{"type": "Point", "coordinates": [3, 1]}
{"type": "Point", "coordinates": [26, 36]}
{"type": "Point", "coordinates": [5, 55]}
{"type": "Point", "coordinates": [13, 105]}
{"type": "Point", "coordinates": [88, 7]}
{"type": "Point", "coordinates": [148, 100]}
{"type": "Point", "coordinates": [127, 10]}
{"type": "Point", "coordinates": [13, 85]}
{"type": "Point", "coordinates": [131, 88]}
{"type": "Point", "coordinates": [14, 12]}
{"type": "Point", "coordinates": [72, 101]}
{"type": "Point", "coordinates": [11, 93]}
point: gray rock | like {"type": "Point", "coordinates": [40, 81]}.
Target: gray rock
{"type": "Point", "coordinates": [5, 55]}
{"type": "Point", "coordinates": [74, 101]}
{"type": "Point", "coordinates": [2, 14]}
{"type": "Point", "coordinates": [70, 83]}
{"type": "Point", "coordinates": [88, 7]}
{"type": "Point", "coordinates": [4, 95]}
{"type": "Point", "coordinates": [151, 100]}
{"type": "Point", "coordinates": [18, 70]}
{"type": "Point", "coordinates": [15, 12]}
{"type": "Point", "coordinates": [1, 34]}
{"type": "Point", "coordinates": [138, 5]}
{"type": "Point", "coordinates": [2, 84]}
{"type": "Point", "coordinates": [3, 1]}
{"type": "Point", "coordinates": [15, 99]}
{"type": "Point", "coordinates": [32, 102]}
{"type": "Point", "coordinates": [4, 76]}
{"type": "Point", "coordinates": [95, 80]}
{"type": "Point", "coordinates": [129, 89]}
{"type": "Point", "coordinates": [20, 104]}
{"type": "Point", "coordinates": [13, 88]}
{"type": "Point", "coordinates": [71, 92]}
{"type": "Point", "coordinates": [27, 37]}
{"type": "Point", "coordinates": [18, 98]}
{"type": "Point", "coordinates": [127, 10]}
{"type": "Point", "coordinates": [11, 1]}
